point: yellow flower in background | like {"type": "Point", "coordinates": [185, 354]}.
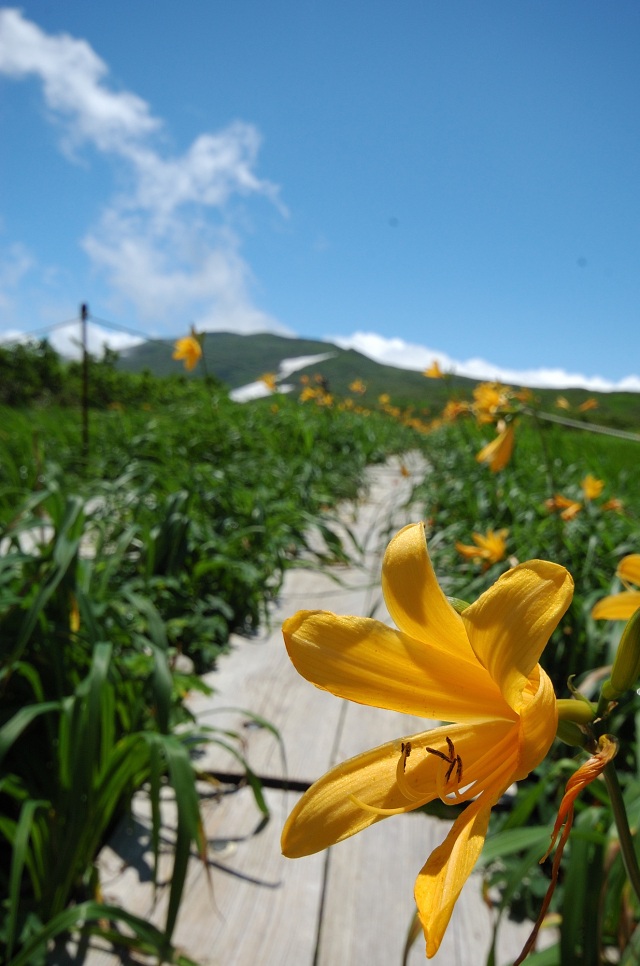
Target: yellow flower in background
{"type": "Point", "coordinates": [477, 669]}
{"type": "Point", "coordinates": [622, 606]}
{"type": "Point", "coordinates": [592, 487]}
{"type": "Point", "coordinates": [384, 399]}
{"type": "Point", "coordinates": [567, 507]}
{"type": "Point", "coordinates": [358, 386]}
{"type": "Point", "coordinates": [270, 381]}
{"type": "Point", "coordinates": [188, 350]}
{"type": "Point", "coordinates": [587, 405]}
{"type": "Point", "coordinates": [497, 453]}
{"type": "Point", "coordinates": [455, 408]}
{"type": "Point", "coordinates": [613, 504]}
{"type": "Point", "coordinates": [563, 403]}
{"type": "Point", "coordinates": [489, 399]}
{"type": "Point", "coordinates": [434, 371]}
{"type": "Point", "coordinates": [489, 548]}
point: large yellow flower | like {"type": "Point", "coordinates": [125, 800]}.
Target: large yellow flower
{"type": "Point", "coordinates": [477, 669]}
{"type": "Point", "coordinates": [622, 606]}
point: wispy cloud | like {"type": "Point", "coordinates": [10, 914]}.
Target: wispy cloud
{"type": "Point", "coordinates": [163, 242]}
{"type": "Point", "coordinates": [408, 355]}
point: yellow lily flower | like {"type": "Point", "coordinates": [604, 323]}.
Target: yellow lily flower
{"type": "Point", "coordinates": [489, 548]}
{"type": "Point", "coordinates": [188, 350]}
{"type": "Point", "coordinates": [592, 487]}
{"type": "Point", "coordinates": [563, 403]}
{"type": "Point", "coordinates": [567, 507]}
{"type": "Point", "coordinates": [270, 381]}
{"type": "Point", "coordinates": [498, 452]}
{"type": "Point", "coordinates": [622, 606]}
{"type": "Point", "coordinates": [477, 669]}
{"type": "Point", "coordinates": [434, 371]}
{"type": "Point", "coordinates": [587, 405]}
{"type": "Point", "coordinates": [358, 386]}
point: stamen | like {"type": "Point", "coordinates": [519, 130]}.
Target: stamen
{"type": "Point", "coordinates": [410, 793]}
{"type": "Point", "coordinates": [381, 811]}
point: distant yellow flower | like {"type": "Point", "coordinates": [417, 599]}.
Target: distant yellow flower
{"type": "Point", "coordinates": [477, 669]}
{"type": "Point", "coordinates": [188, 350]}
{"type": "Point", "coordinates": [567, 507]}
{"type": "Point", "coordinates": [455, 408]}
{"type": "Point", "coordinates": [592, 487]}
{"type": "Point", "coordinates": [563, 403]}
{"type": "Point", "coordinates": [270, 381]}
{"type": "Point", "coordinates": [622, 606]}
{"type": "Point", "coordinates": [497, 453]}
{"type": "Point", "coordinates": [490, 548]}
{"type": "Point", "coordinates": [489, 399]}
{"type": "Point", "coordinates": [613, 504]}
{"type": "Point", "coordinates": [358, 386]}
{"type": "Point", "coordinates": [434, 371]}
{"type": "Point", "coordinates": [384, 399]}
{"type": "Point", "coordinates": [587, 405]}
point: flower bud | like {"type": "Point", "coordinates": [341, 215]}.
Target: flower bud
{"type": "Point", "coordinates": [626, 666]}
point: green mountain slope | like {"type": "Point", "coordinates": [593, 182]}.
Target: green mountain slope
{"type": "Point", "coordinates": [240, 359]}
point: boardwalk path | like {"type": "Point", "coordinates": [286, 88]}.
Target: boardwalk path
{"type": "Point", "coordinates": [353, 904]}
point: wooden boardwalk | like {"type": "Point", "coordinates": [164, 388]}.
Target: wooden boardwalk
{"type": "Point", "coordinates": [349, 906]}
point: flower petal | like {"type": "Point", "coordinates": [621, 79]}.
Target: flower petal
{"type": "Point", "coordinates": [448, 867]}
{"type": "Point", "coordinates": [538, 722]}
{"type": "Point", "coordinates": [629, 569]}
{"type": "Point", "coordinates": [510, 624]}
{"type": "Point", "coordinates": [365, 661]}
{"type": "Point", "coordinates": [414, 598]}
{"type": "Point", "coordinates": [617, 607]}
{"type": "Point", "coordinates": [327, 814]}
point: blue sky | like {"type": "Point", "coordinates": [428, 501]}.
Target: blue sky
{"type": "Point", "coordinates": [418, 179]}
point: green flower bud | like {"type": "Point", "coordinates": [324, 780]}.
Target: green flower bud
{"type": "Point", "coordinates": [626, 666]}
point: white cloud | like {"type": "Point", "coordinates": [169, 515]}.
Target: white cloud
{"type": "Point", "coordinates": [155, 241]}
{"type": "Point", "coordinates": [409, 355]}
{"type": "Point", "coordinates": [72, 76]}
{"type": "Point", "coordinates": [67, 339]}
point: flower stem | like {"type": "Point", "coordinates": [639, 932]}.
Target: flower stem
{"type": "Point", "coordinates": [622, 824]}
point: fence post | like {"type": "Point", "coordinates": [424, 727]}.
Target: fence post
{"type": "Point", "coordinates": [84, 314]}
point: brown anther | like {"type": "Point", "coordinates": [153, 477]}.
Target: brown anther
{"type": "Point", "coordinates": [405, 748]}
{"type": "Point", "coordinates": [453, 760]}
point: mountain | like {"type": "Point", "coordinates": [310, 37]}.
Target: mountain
{"type": "Point", "coordinates": [237, 360]}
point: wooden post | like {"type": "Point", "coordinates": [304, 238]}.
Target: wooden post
{"type": "Point", "coordinates": [84, 314]}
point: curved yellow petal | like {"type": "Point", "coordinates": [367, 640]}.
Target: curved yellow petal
{"type": "Point", "coordinates": [448, 867]}
{"type": "Point", "coordinates": [510, 624]}
{"type": "Point", "coordinates": [629, 569]}
{"type": "Point", "coordinates": [538, 722]}
{"type": "Point", "coordinates": [327, 813]}
{"type": "Point", "coordinates": [365, 661]}
{"type": "Point", "coordinates": [617, 607]}
{"type": "Point", "coordinates": [414, 598]}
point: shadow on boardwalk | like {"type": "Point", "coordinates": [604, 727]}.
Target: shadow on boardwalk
{"type": "Point", "coordinates": [349, 906]}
